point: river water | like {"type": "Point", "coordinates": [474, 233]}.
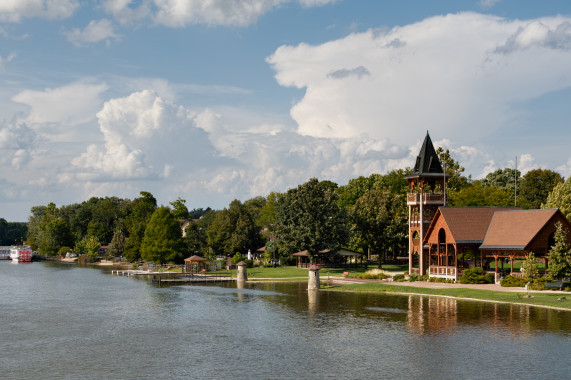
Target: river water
{"type": "Point", "coordinates": [61, 321]}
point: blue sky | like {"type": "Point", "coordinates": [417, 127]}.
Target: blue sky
{"type": "Point", "coordinates": [216, 100]}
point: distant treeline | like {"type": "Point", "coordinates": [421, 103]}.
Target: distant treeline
{"type": "Point", "coordinates": [368, 215]}
{"type": "Point", "coordinates": [12, 233]}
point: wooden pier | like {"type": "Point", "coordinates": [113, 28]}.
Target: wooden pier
{"type": "Point", "coordinates": [179, 277]}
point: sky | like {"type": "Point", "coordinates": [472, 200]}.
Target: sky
{"type": "Point", "coordinates": [216, 100]}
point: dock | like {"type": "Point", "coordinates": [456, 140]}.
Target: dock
{"type": "Point", "coordinates": [178, 277]}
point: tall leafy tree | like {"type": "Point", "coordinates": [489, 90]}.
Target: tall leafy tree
{"type": "Point", "coordinates": [560, 254]}
{"type": "Point", "coordinates": [117, 245]}
{"type": "Point", "coordinates": [477, 195]}
{"type": "Point", "coordinates": [357, 187]}
{"type": "Point", "coordinates": [560, 197]}
{"type": "Point", "coordinates": [308, 218]}
{"type": "Point", "coordinates": [49, 231]}
{"type": "Point", "coordinates": [379, 221]}
{"type": "Point", "coordinates": [504, 179]}
{"type": "Point", "coordinates": [179, 209]}
{"type": "Point", "coordinates": [455, 180]}
{"type": "Point", "coordinates": [536, 185]}
{"type": "Point", "coordinates": [233, 230]}
{"type": "Point", "coordinates": [142, 209]}
{"type": "Point", "coordinates": [162, 241]}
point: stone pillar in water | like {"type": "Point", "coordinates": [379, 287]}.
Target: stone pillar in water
{"type": "Point", "coordinates": [313, 282]}
{"type": "Point", "coordinates": [242, 273]}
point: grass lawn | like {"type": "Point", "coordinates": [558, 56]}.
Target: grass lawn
{"type": "Point", "coordinates": [292, 272]}
{"type": "Point", "coordinates": [541, 299]}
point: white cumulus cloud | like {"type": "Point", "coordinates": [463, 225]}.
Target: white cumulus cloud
{"type": "Point", "coordinates": [16, 10]}
{"type": "Point", "coordinates": [68, 105]}
{"type": "Point", "coordinates": [181, 13]}
{"type": "Point", "coordinates": [95, 31]}
{"type": "Point", "coordinates": [447, 74]}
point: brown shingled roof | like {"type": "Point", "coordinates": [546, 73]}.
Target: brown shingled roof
{"type": "Point", "coordinates": [515, 229]}
{"type": "Point", "coordinates": [467, 224]}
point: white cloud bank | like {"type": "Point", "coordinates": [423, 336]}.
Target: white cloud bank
{"type": "Point", "coordinates": [181, 13]}
{"type": "Point", "coordinates": [456, 75]}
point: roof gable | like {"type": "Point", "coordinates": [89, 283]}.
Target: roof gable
{"type": "Point", "coordinates": [515, 229]}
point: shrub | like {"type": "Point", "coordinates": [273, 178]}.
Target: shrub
{"type": "Point", "coordinates": [413, 277]}
{"type": "Point", "coordinates": [423, 278]}
{"type": "Point", "coordinates": [490, 278]}
{"type": "Point", "coordinates": [371, 276]}
{"type": "Point", "coordinates": [398, 277]}
{"type": "Point", "coordinates": [382, 276]}
{"type": "Point", "coordinates": [539, 283]}
{"type": "Point", "coordinates": [511, 281]}
{"type": "Point", "coordinates": [474, 275]}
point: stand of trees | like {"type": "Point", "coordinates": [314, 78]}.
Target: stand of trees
{"type": "Point", "coordinates": [367, 215]}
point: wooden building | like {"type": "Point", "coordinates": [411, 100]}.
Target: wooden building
{"type": "Point", "coordinates": [489, 234]}
{"type": "Point", "coordinates": [444, 240]}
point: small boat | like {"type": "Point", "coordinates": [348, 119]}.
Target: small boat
{"type": "Point", "coordinates": [21, 255]}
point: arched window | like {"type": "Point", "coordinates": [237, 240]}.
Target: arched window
{"type": "Point", "coordinates": [442, 236]}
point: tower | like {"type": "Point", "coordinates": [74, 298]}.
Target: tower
{"type": "Point", "coordinates": [426, 194]}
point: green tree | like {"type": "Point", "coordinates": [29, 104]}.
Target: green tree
{"type": "Point", "coordinates": [560, 254]}
{"type": "Point", "coordinates": [233, 230]}
{"type": "Point", "coordinates": [179, 209]}
{"type": "Point", "coordinates": [535, 187]}
{"type": "Point", "coordinates": [560, 197]}
{"type": "Point", "coordinates": [141, 210]}
{"type": "Point", "coordinates": [308, 217]}
{"type": "Point", "coordinates": [455, 180]}
{"type": "Point", "coordinates": [503, 179]}
{"type": "Point", "coordinates": [530, 268]}
{"type": "Point", "coordinates": [379, 222]}
{"type": "Point", "coordinates": [476, 195]}
{"type": "Point", "coordinates": [162, 241]}
{"type": "Point", "coordinates": [92, 247]}
{"type": "Point", "coordinates": [356, 188]}
{"type": "Point", "coordinates": [12, 232]}
{"type": "Point", "coordinates": [117, 245]}
{"type": "Point", "coordinates": [49, 231]}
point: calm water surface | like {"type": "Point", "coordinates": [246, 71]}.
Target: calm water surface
{"type": "Point", "coordinates": [63, 321]}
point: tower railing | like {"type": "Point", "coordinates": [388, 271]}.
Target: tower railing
{"type": "Point", "coordinates": [425, 198]}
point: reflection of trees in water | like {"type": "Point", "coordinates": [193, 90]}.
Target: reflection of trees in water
{"type": "Point", "coordinates": [441, 314]}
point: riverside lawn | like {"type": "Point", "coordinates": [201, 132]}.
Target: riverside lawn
{"type": "Point", "coordinates": [543, 298]}
{"type": "Point", "coordinates": [289, 273]}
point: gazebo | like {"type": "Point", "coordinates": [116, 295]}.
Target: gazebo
{"type": "Point", "coordinates": [193, 259]}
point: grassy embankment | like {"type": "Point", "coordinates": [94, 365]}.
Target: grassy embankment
{"type": "Point", "coordinates": [291, 273]}
{"type": "Point", "coordinates": [545, 298]}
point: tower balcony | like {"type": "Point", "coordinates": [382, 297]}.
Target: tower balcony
{"type": "Point", "coordinates": [413, 199]}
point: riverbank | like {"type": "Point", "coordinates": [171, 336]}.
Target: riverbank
{"type": "Point", "coordinates": [560, 300]}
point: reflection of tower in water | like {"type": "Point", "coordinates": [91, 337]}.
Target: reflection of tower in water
{"type": "Point", "coordinates": [240, 285]}
{"type": "Point", "coordinates": [313, 301]}
{"type": "Point", "coordinates": [429, 314]}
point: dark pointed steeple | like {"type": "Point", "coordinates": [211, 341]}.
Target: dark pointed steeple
{"type": "Point", "coordinates": [427, 162]}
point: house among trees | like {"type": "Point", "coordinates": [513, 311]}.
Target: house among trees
{"type": "Point", "coordinates": [445, 240]}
